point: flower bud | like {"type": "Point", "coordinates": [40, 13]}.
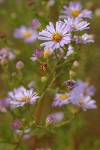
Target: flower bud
{"type": "Point", "coordinates": [70, 84]}
{"type": "Point", "coordinates": [16, 124]}
{"type": "Point", "coordinates": [19, 65]}
{"type": "Point", "coordinates": [72, 74]}
{"type": "Point", "coordinates": [35, 23]}
{"type": "Point", "coordinates": [44, 79]}
{"type": "Point", "coordinates": [49, 120]}
{"type": "Point", "coordinates": [76, 64]}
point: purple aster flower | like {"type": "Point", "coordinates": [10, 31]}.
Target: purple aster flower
{"type": "Point", "coordinates": [83, 88]}
{"type": "Point", "coordinates": [37, 54]}
{"type": "Point", "coordinates": [6, 55]}
{"type": "Point", "coordinates": [76, 24]}
{"type": "Point", "coordinates": [56, 37]}
{"type": "Point", "coordinates": [16, 124]}
{"type": "Point", "coordinates": [85, 38]}
{"type": "Point", "coordinates": [61, 99]}
{"type": "Point", "coordinates": [85, 102]}
{"type": "Point", "coordinates": [70, 84]}
{"type": "Point", "coordinates": [28, 34]}
{"type": "Point", "coordinates": [21, 96]}
{"type": "Point", "coordinates": [75, 10]}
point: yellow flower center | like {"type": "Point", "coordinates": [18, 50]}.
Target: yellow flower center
{"type": "Point", "coordinates": [57, 37]}
{"type": "Point", "coordinates": [24, 99]}
{"type": "Point", "coordinates": [75, 13]}
{"type": "Point", "coordinates": [47, 53]}
{"type": "Point", "coordinates": [63, 97]}
{"type": "Point", "coordinates": [26, 34]}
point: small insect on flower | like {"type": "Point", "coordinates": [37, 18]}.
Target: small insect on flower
{"type": "Point", "coordinates": [43, 66]}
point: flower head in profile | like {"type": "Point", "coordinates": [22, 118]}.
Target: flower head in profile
{"type": "Point", "coordinates": [75, 10]}
{"type": "Point", "coordinates": [85, 38]}
{"type": "Point", "coordinates": [56, 37]}
{"type": "Point", "coordinates": [61, 99]}
{"type": "Point", "coordinates": [69, 52]}
{"type": "Point", "coordinates": [21, 96]}
{"type": "Point", "coordinates": [28, 34]}
{"type": "Point", "coordinates": [76, 24]}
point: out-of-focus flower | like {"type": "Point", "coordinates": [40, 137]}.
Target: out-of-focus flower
{"type": "Point", "coordinates": [16, 124]}
{"type": "Point", "coordinates": [83, 88]}
{"type": "Point", "coordinates": [19, 65]}
{"type": "Point", "coordinates": [55, 38]}
{"type": "Point", "coordinates": [85, 38]}
{"type": "Point", "coordinates": [97, 12]}
{"type": "Point", "coordinates": [81, 96]}
{"type": "Point", "coordinates": [35, 23]}
{"type": "Point", "coordinates": [70, 84]}
{"type": "Point", "coordinates": [4, 104]}
{"type": "Point", "coordinates": [75, 10]}
{"type": "Point", "coordinates": [6, 55]}
{"type": "Point", "coordinates": [85, 102]}
{"type": "Point", "coordinates": [37, 54]}
{"type": "Point", "coordinates": [51, 2]}
{"type": "Point", "coordinates": [28, 34]}
{"type": "Point", "coordinates": [61, 99]}
{"type": "Point", "coordinates": [76, 24]}
{"type": "Point", "coordinates": [21, 96]}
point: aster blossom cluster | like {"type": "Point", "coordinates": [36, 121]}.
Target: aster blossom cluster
{"type": "Point", "coordinates": [43, 87]}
